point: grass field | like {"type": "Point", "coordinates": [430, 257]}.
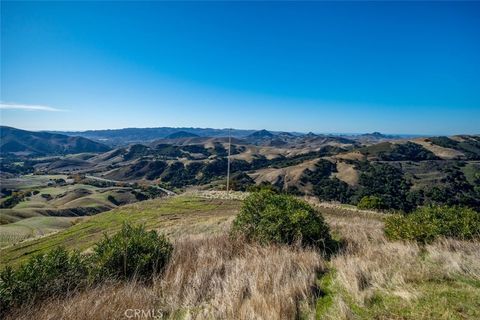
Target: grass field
{"type": "Point", "coordinates": [212, 276]}
{"type": "Point", "coordinates": [175, 216]}
{"type": "Point", "coordinates": [33, 227]}
{"type": "Point", "coordinates": [373, 278]}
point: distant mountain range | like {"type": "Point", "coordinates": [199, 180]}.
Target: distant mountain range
{"type": "Point", "coordinates": [118, 137]}
{"type": "Point", "coordinates": [14, 140]}
{"type": "Point", "coordinates": [54, 143]}
{"type": "Point", "coordinates": [181, 134]}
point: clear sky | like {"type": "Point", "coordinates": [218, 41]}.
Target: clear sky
{"type": "Point", "coordinates": [403, 67]}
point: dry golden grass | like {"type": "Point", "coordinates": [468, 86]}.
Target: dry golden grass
{"type": "Point", "coordinates": [213, 277]}
{"type": "Point", "coordinates": [441, 152]}
{"type": "Point", "coordinates": [207, 278]}
{"type": "Point", "coordinates": [218, 194]}
{"type": "Point", "coordinates": [347, 173]}
{"type": "Point", "coordinates": [290, 175]}
{"type": "Point", "coordinates": [370, 266]}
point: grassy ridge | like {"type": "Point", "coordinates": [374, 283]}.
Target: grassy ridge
{"type": "Point", "coordinates": [370, 278]}
{"type": "Point", "coordinates": [175, 216]}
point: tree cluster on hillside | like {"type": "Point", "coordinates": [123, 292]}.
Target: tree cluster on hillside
{"type": "Point", "coordinates": [454, 190]}
{"type": "Point", "coordinates": [325, 187]}
{"type": "Point", "coordinates": [470, 146]}
{"type": "Point", "coordinates": [407, 151]}
{"type": "Point", "coordinates": [386, 187]}
{"type": "Point", "coordinates": [385, 182]}
{"type": "Point", "coordinates": [178, 174]}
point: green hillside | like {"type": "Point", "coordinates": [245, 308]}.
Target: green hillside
{"type": "Point", "coordinates": [370, 278]}
{"type": "Point", "coordinates": [176, 216]}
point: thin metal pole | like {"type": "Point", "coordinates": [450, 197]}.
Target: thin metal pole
{"type": "Point", "coordinates": [228, 158]}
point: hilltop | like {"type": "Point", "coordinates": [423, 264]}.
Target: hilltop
{"type": "Point", "coordinates": [371, 277]}
{"type": "Point", "coordinates": [43, 143]}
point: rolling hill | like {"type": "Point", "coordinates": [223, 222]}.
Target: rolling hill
{"type": "Point", "coordinates": [333, 168]}
{"type": "Point", "coordinates": [43, 143]}
{"type": "Point", "coordinates": [117, 137]}
{"type": "Point", "coordinates": [372, 278]}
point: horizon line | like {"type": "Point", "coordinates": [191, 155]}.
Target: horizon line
{"type": "Point", "coordinates": [241, 129]}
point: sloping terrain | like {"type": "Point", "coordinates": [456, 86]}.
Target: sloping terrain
{"type": "Point", "coordinates": [176, 216]}
{"type": "Point", "coordinates": [33, 227]}
{"type": "Point", "coordinates": [50, 208]}
{"type": "Point", "coordinates": [43, 143]}
{"type": "Point", "coordinates": [468, 145]}
{"type": "Point", "coordinates": [347, 173]}
{"type": "Point", "coordinates": [397, 151]}
{"type": "Point", "coordinates": [439, 151]}
{"type": "Point", "coordinates": [427, 170]}
{"type": "Point", "coordinates": [120, 137]}
{"type": "Point", "coordinates": [211, 276]}
{"type": "Point", "coordinates": [287, 176]}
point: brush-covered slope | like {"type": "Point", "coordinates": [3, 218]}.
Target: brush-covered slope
{"type": "Point", "coordinates": [403, 151]}
{"type": "Point", "coordinates": [43, 143]}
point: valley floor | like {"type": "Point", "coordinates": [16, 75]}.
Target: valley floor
{"type": "Point", "coordinates": [213, 277]}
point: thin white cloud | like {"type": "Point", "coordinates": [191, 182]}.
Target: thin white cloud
{"type": "Point", "coordinates": [27, 107]}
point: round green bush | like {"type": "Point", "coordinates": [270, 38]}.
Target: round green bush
{"type": "Point", "coordinates": [132, 252]}
{"type": "Point", "coordinates": [371, 202]}
{"type": "Point", "coordinates": [428, 223]}
{"type": "Point", "coordinates": [267, 217]}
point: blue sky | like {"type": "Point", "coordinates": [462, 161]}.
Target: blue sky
{"type": "Point", "coordinates": [402, 67]}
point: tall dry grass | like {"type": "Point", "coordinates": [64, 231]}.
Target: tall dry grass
{"type": "Point", "coordinates": [207, 278]}
{"type": "Point", "coordinates": [212, 277]}
{"type": "Point", "coordinates": [369, 264]}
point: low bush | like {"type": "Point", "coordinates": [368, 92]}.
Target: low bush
{"type": "Point", "coordinates": [428, 223]}
{"type": "Point", "coordinates": [54, 273]}
{"type": "Point", "coordinates": [131, 252]}
{"type": "Point", "coordinates": [268, 217]}
{"type": "Point", "coordinates": [263, 186]}
{"type": "Point", "coordinates": [371, 202]}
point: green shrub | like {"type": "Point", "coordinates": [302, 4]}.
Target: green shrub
{"type": "Point", "coordinates": [371, 202]}
{"type": "Point", "coordinates": [131, 252]}
{"type": "Point", "coordinates": [263, 186]}
{"type": "Point", "coordinates": [268, 217]}
{"type": "Point", "coordinates": [42, 276]}
{"type": "Point", "coordinates": [427, 223]}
